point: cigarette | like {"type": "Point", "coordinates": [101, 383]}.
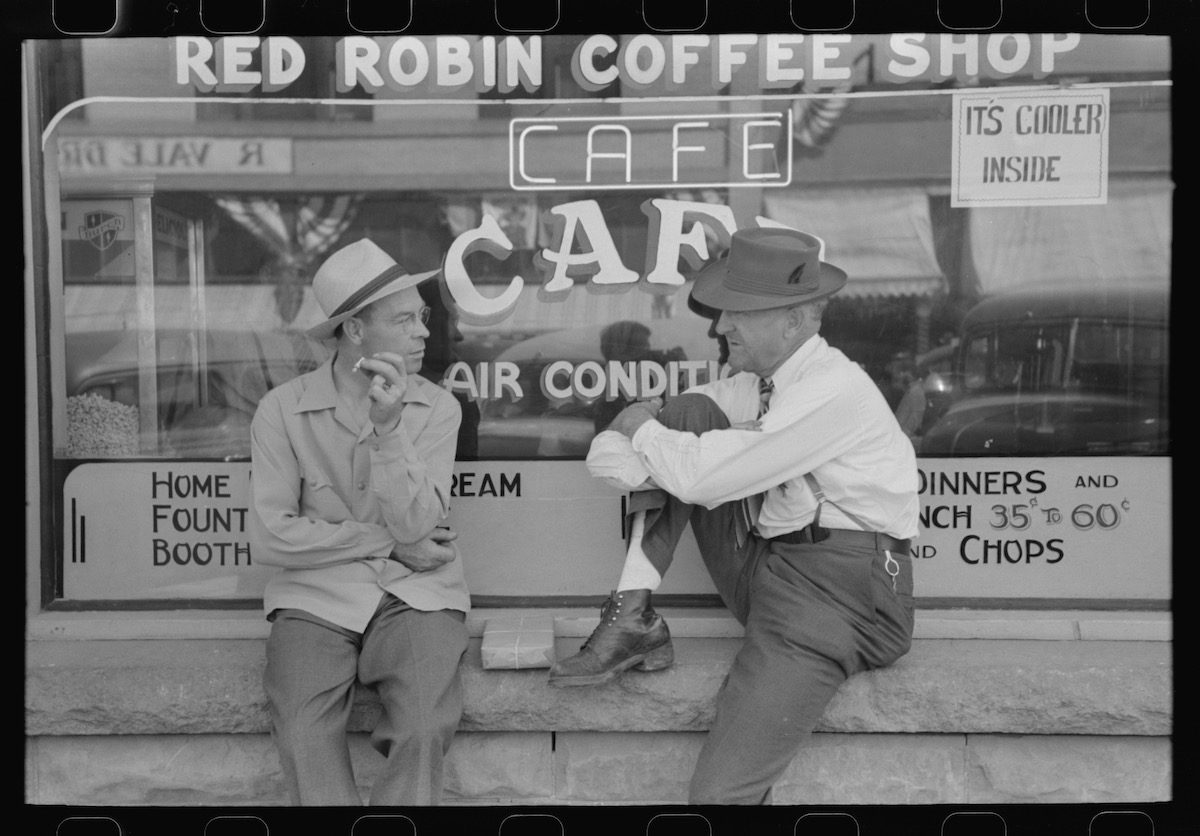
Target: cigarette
{"type": "Point", "coordinates": [358, 364]}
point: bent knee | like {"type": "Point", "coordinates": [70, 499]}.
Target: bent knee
{"type": "Point", "coordinates": [693, 412]}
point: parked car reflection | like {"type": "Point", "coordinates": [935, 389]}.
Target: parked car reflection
{"type": "Point", "coordinates": [206, 389]}
{"type": "Point", "coordinates": [1058, 371]}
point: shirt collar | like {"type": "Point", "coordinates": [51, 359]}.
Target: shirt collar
{"type": "Point", "coordinates": [319, 391]}
{"type": "Point", "coordinates": [791, 369]}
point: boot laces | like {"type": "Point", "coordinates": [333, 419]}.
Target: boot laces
{"type": "Point", "coordinates": [606, 614]}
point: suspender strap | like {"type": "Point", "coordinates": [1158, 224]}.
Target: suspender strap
{"type": "Point", "coordinates": [820, 495]}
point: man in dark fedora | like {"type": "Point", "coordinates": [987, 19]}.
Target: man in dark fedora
{"type": "Point", "coordinates": [801, 490]}
{"type": "Point", "coordinates": [351, 468]}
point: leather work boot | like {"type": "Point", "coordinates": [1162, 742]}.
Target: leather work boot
{"type": "Point", "coordinates": [630, 635]}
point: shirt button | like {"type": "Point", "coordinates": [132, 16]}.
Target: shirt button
{"type": "Point", "coordinates": [362, 486]}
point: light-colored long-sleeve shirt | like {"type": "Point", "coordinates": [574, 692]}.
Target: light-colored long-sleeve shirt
{"type": "Point", "coordinates": [826, 417]}
{"type": "Point", "coordinates": [330, 499]}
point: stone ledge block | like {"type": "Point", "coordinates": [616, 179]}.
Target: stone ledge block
{"type": "Point", "coordinates": [609, 768]}
{"type": "Point", "coordinates": [832, 769]}
{"type": "Point", "coordinates": [867, 769]}
{"type": "Point", "coordinates": [1067, 770]}
{"type": "Point", "coordinates": [1013, 687]}
{"type": "Point", "coordinates": [243, 769]}
{"type": "Point", "coordinates": [224, 770]}
{"type": "Point", "coordinates": [941, 686]}
{"type": "Point", "coordinates": [875, 769]}
{"type": "Point", "coordinates": [630, 767]}
{"type": "Point", "coordinates": [1129, 630]}
{"type": "Point", "coordinates": [500, 767]}
{"type": "Point", "coordinates": [931, 627]}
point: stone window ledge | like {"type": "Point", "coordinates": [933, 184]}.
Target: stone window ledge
{"type": "Point", "coordinates": [959, 686]}
{"type": "Point", "coordinates": [1052, 625]}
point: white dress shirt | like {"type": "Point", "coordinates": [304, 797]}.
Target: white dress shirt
{"type": "Point", "coordinates": [827, 417]}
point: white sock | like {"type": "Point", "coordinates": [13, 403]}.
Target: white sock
{"type": "Point", "coordinates": [639, 572]}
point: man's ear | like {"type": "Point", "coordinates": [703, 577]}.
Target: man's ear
{"type": "Point", "coordinates": [353, 329]}
{"type": "Point", "coordinates": [797, 316]}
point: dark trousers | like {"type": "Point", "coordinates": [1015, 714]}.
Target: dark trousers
{"type": "Point", "coordinates": [410, 657]}
{"type": "Point", "coordinates": [814, 615]}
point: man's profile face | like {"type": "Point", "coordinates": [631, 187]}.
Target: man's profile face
{"type": "Point", "coordinates": [757, 342]}
{"type": "Point", "coordinates": [393, 324]}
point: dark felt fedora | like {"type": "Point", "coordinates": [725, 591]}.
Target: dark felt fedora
{"type": "Point", "coordinates": [767, 268]}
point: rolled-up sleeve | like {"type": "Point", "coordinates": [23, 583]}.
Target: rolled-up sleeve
{"type": "Point", "coordinates": [612, 459]}
{"type": "Point", "coordinates": [806, 429]}
{"type": "Point", "coordinates": [411, 472]}
{"type": "Point", "coordinates": [280, 533]}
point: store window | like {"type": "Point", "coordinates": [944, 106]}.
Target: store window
{"type": "Point", "coordinates": [1007, 339]}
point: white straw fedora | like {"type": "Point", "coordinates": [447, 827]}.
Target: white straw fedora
{"type": "Point", "coordinates": [354, 277]}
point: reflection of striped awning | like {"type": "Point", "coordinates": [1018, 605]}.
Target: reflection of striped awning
{"type": "Point", "coordinates": [1127, 239]}
{"type": "Point", "coordinates": [881, 237]}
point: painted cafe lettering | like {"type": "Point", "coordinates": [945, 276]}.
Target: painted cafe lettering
{"type": "Point", "coordinates": [676, 230]}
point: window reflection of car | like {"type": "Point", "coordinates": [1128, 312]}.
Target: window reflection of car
{"type": "Point", "coordinates": [207, 389]}
{"type": "Point", "coordinates": [935, 371]}
{"type": "Point", "coordinates": [1058, 371]}
{"type": "Point", "coordinates": [537, 425]}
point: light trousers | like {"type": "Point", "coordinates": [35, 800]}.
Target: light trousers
{"type": "Point", "coordinates": [410, 657]}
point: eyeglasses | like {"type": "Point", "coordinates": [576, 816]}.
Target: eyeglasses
{"type": "Point", "coordinates": [422, 315]}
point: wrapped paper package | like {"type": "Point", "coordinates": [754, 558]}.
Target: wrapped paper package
{"type": "Point", "coordinates": [523, 641]}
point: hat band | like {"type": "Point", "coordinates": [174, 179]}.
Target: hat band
{"type": "Point", "coordinates": [767, 287]}
{"type": "Point", "coordinates": [363, 293]}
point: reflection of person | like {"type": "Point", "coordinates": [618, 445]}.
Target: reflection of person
{"type": "Point", "coordinates": [627, 341]}
{"type": "Point", "coordinates": [624, 341]}
{"type": "Point", "coordinates": [1006, 372]}
{"type": "Point", "coordinates": [910, 406]}
{"type": "Point", "coordinates": [440, 354]}
{"type": "Point", "coordinates": [819, 572]}
{"type": "Point", "coordinates": [351, 470]}
{"type": "Point", "coordinates": [712, 315]}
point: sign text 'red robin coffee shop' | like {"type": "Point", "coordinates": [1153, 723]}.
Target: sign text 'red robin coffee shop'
{"type": "Point", "coordinates": [977, 190]}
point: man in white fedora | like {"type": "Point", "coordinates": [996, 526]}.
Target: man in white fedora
{"type": "Point", "coordinates": [350, 477]}
{"type": "Point", "coordinates": [801, 489]}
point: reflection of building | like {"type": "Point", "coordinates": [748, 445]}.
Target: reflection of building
{"type": "Point", "coordinates": [876, 187]}
{"type": "Point", "coordinates": [189, 213]}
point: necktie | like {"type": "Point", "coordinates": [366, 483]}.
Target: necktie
{"type": "Point", "coordinates": [766, 386]}
{"type": "Point", "coordinates": [751, 505]}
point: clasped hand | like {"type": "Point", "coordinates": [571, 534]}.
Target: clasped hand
{"type": "Point", "coordinates": [633, 416]}
{"type": "Point", "coordinates": [428, 553]}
